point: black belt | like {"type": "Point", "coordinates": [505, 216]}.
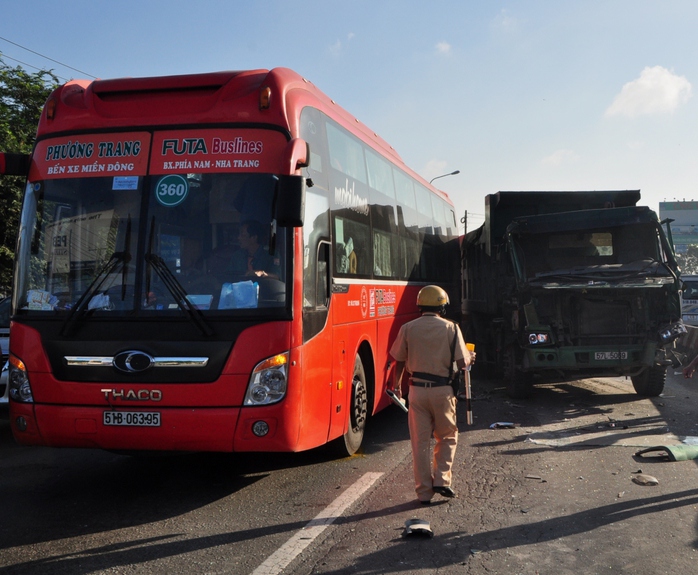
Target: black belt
{"type": "Point", "coordinates": [430, 380]}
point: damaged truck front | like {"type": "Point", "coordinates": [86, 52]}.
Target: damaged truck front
{"type": "Point", "coordinates": [568, 285]}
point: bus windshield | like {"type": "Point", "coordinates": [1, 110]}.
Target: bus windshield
{"type": "Point", "coordinates": [151, 244]}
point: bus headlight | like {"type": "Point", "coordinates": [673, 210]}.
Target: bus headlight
{"type": "Point", "coordinates": [268, 382]}
{"type": "Point", "coordinates": [18, 380]}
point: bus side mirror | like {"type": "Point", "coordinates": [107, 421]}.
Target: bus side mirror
{"type": "Point", "coordinates": [289, 206]}
{"type": "Point", "coordinates": [14, 164]}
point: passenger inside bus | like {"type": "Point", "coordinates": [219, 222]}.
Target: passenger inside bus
{"type": "Point", "coordinates": [347, 262]}
{"type": "Point", "coordinates": [252, 259]}
{"type": "Point", "coordinates": [233, 254]}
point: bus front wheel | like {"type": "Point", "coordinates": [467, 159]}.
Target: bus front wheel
{"type": "Point", "coordinates": [350, 442]}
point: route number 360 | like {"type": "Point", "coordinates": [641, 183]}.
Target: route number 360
{"type": "Point", "coordinates": [171, 190]}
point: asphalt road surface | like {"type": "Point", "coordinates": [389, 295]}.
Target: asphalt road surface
{"type": "Point", "coordinates": [555, 494]}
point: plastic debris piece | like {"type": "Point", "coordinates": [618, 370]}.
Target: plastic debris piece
{"type": "Point", "coordinates": [502, 425]}
{"type": "Point", "coordinates": [671, 452]}
{"type": "Point", "coordinates": [643, 479]}
{"type": "Point", "coordinates": [418, 528]}
{"type": "Point", "coordinates": [534, 477]}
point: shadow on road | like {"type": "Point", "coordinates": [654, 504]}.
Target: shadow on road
{"type": "Point", "coordinates": [81, 491]}
{"type": "Point", "coordinates": [456, 548]}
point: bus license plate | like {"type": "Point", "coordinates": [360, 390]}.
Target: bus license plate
{"type": "Point", "coordinates": [601, 355]}
{"type": "Point", "coordinates": [132, 418]}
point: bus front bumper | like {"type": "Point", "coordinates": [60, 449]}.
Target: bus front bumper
{"type": "Point", "coordinates": [222, 429]}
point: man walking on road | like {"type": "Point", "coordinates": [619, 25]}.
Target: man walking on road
{"type": "Point", "coordinates": [424, 347]}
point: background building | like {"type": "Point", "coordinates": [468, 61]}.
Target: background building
{"type": "Point", "coordinates": [684, 228]}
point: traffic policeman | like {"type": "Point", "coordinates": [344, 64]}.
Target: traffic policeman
{"type": "Point", "coordinates": [424, 346]}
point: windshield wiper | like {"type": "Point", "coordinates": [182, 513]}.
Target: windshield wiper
{"type": "Point", "coordinates": [562, 273]}
{"type": "Point", "coordinates": [127, 254]}
{"type": "Point", "coordinates": [178, 292]}
{"type": "Point", "coordinates": [82, 305]}
{"type": "Point", "coordinates": [173, 286]}
{"type": "Point", "coordinates": [621, 271]}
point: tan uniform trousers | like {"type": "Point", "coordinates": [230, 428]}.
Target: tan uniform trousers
{"type": "Point", "coordinates": [432, 412]}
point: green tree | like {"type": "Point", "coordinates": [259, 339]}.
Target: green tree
{"type": "Point", "coordinates": [22, 97]}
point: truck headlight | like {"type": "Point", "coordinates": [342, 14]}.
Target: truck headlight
{"type": "Point", "coordinates": [671, 332]}
{"type": "Point", "coordinates": [18, 380]}
{"type": "Point", "coordinates": [268, 381]}
{"type": "Point", "coordinates": [539, 338]}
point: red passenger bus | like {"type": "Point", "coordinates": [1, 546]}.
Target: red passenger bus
{"type": "Point", "coordinates": [214, 262]}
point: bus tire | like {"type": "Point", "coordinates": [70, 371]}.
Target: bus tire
{"type": "Point", "coordinates": [650, 381]}
{"type": "Point", "coordinates": [350, 442]}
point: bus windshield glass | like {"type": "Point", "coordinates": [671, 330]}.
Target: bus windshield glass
{"type": "Point", "coordinates": [151, 245]}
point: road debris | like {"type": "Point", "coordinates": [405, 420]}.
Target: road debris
{"type": "Point", "coordinates": [645, 480]}
{"type": "Point", "coordinates": [670, 452]}
{"type": "Point", "coordinates": [417, 528]}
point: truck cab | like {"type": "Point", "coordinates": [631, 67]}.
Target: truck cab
{"type": "Point", "coordinates": [590, 292]}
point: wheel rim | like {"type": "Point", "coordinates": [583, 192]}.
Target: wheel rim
{"type": "Point", "coordinates": [358, 404]}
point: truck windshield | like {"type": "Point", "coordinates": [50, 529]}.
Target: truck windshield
{"type": "Point", "coordinates": [144, 244]}
{"type": "Point", "coordinates": [622, 248]}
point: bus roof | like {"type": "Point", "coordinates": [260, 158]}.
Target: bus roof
{"type": "Point", "coordinates": [227, 97]}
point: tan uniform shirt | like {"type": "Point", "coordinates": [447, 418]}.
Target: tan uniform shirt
{"type": "Point", "coordinates": [424, 344]}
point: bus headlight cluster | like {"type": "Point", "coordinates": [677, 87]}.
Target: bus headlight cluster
{"type": "Point", "coordinates": [18, 381]}
{"type": "Point", "coordinates": [268, 382]}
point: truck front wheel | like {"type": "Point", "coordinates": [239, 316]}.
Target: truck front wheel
{"type": "Point", "coordinates": [650, 381]}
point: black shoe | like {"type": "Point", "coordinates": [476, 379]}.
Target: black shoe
{"type": "Point", "coordinates": [427, 502]}
{"type": "Point", "coordinates": [445, 491]}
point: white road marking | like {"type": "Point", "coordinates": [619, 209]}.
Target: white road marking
{"type": "Point", "coordinates": [280, 559]}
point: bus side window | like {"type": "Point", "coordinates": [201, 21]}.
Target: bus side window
{"type": "Point", "coordinates": [346, 257]}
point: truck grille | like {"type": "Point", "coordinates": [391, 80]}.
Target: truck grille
{"type": "Point", "coordinates": [600, 322]}
{"type": "Point", "coordinates": [591, 320]}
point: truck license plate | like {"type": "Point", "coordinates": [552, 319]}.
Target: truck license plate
{"type": "Point", "coordinates": [132, 418]}
{"type": "Point", "coordinates": [601, 355]}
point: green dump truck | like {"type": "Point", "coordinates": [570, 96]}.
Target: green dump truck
{"type": "Point", "coordinates": [560, 286]}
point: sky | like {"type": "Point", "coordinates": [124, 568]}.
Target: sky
{"type": "Point", "coordinates": [519, 95]}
